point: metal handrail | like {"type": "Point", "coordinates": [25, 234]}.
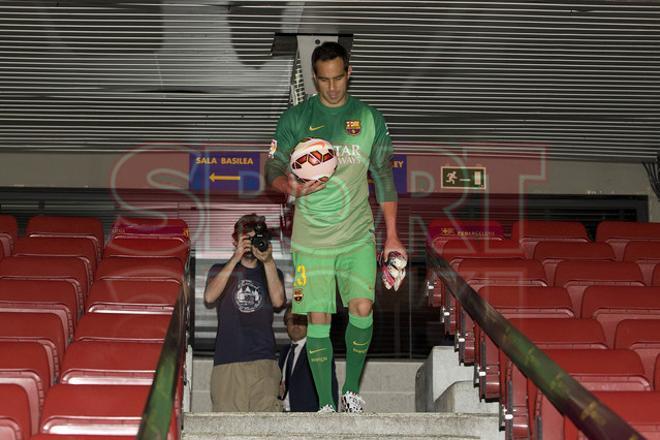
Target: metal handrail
{"type": "Point", "coordinates": [157, 414]}
{"type": "Point", "coordinates": [573, 400]}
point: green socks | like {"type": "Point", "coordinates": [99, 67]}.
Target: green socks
{"type": "Point", "coordinates": [358, 338]}
{"type": "Point", "coordinates": [319, 354]}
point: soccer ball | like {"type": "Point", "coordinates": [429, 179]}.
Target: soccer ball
{"type": "Point", "coordinates": [313, 159]}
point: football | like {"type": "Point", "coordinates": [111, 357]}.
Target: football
{"type": "Point", "coordinates": [313, 159]}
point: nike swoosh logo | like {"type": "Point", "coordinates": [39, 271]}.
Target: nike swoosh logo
{"type": "Point", "coordinates": [315, 128]}
{"type": "Point", "coordinates": [316, 351]}
{"type": "Point", "coordinates": [360, 344]}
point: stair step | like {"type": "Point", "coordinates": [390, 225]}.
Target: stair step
{"type": "Point", "coordinates": [323, 437]}
{"type": "Point", "coordinates": [314, 426]}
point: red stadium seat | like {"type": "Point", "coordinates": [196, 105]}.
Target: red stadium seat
{"type": "Point", "coordinates": [514, 302]}
{"type": "Point", "coordinates": [122, 327]}
{"type": "Point", "coordinates": [103, 363]}
{"type": "Point", "coordinates": [618, 233]}
{"type": "Point", "coordinates": [551, 253]}
{"type": "Point", "coordinates": [68, 269]}
{"type": "Point", "coordinates": [94, 409]}
{"type": "Point", "coordinates": [53, 296]}
{"type": "Point", "coordinates": [44, 328]}
{"type": "Point", "coordinates": [642, 336]}
{"type": "Point", "coordinates": [126, 296]}
{"type": "Point", "coordinates": [596, 370]}
{"type": "Point", "coordinates": [638, 408]}
{"type": "Point", "coordinates": [54, 226]}
{"type": "Point", "coordinates": [80, 248]}
{"type": "Point", "coordinates": [531, 232]}
{"type": "Point", "coordinates": [26, 364]}
{"type": "Point", "coordinates": [149, 269]}
{"type": "Point", "coordinates": [646, 254]}
{"type": "Point", "coordinates": [479, 272]}
{"type": "Point", "coordinates": [455, 251]}
{"type": "Point", "coordinates": [656, 380]}
{"type": "Point", "coordinates": [15, 421]}
{"type": "Point", "coordinates": [612, 304]}
{"type": "Point", "coordinates": [544, 333]}
{"type": "Point", "coordinates": [8, 234]}
{"type": "Point", "coordinates": [134, 227]}
{"type": "Point", "coordinates": [139, 247]}
{"type": "Point", "coordinates": [576, 276]}
{"type": "Point", "coordinates": [82, 437]}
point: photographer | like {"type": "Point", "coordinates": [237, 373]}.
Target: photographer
{"type": "Point", "coordinates": [245, 290]}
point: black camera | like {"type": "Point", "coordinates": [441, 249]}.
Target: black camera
{"type": "Point", "coordinates": [261, 237]}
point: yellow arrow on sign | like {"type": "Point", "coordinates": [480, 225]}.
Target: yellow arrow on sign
{"type": "Point", "coordinates": [215, 177]}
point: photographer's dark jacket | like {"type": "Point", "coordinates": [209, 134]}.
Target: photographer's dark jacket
{"type": "Point", "coordinates": [245, 316]}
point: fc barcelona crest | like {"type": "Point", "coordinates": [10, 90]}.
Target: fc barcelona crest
{"type": "Point", "coordinates": [353, 127]}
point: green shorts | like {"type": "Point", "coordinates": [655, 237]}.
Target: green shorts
{"type": "Point", "coordinates": [317, 274]}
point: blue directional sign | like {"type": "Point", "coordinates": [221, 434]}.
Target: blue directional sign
{"type": "Point", "coordinates": [224, 171]}
{"type": "Point", "coordinates": [399, 173]}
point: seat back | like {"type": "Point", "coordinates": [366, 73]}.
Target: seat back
{"type": "Point", "coordinates": [107, 363]}
{"type": "Point", "coordinates": [148, 269]}
{"type": "Point", "coordinates": [151, 228]}
{"type": "Point", "coordinates": [646, 254]}
{"type": "Point", "coordinates": [618, 233]}
{"type": "Point", "coordinates": [656, 380]}
{"type": "Point", "coordinates": [69, 269]}
{"type": "Point", "coordinates": [529, 233]}
{"type": "Point", "coordinates": [551, 253]}
{"type": "Point", "coordinates": [8, 233]}
{"type": "Point", "coordinates": [77, 409]}
{"type": "Point", "coordinates": [80, 248]}
{"type": "Point", "coordinates": [128, 296]}
{"type": "Point", "coordinates": [576, 276]}
{"type": "Point", "coordinates": [545, 333]}
{"type": "Point", "coordinates": [15, 416]}
{"type": "Point", "coordinates": [141, 247]}
{"type": "Point", "coordinates": [89, 228]}
{"type": "Point", "coordinates": [519, 300]}
{"type": "Point", "coordinates": [479, 272]}
{"type": "Point", "coordinates": [514, 302]}
{"type": "Point", "coordinates": [26, 364]}
{"type": "Point", "coordinates": [122, 327]}
{"type": "Point", "coordinates": [596, 370]}
{"type": "Point", "coordinates": [612, 304]}
{"type": "Point", "coordinates": [44, 328]}
{"type": "Point", "coordinates": [55, 296]}
{"type": "Point", "coordinates": [642, 336]}
{"type": "Point", "coordinates": [638, 408]}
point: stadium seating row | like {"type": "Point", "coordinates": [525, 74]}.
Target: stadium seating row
{"type": "Point", "coordinates": [608, 334]}
{"type": "Point", "coordinates": [74, 327]}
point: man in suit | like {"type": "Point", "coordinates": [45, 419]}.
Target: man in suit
{"type": "Point", "coordinates": [297, 389]}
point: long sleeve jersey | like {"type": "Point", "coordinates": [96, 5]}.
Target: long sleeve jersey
{"type": "Point", "coordinates": [339, 214]}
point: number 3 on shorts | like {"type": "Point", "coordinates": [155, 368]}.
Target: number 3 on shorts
{"type": "Point", "coordinates": [301, 277]}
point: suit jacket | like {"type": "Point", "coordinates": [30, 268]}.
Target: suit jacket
{"type": "Point", "coordinates": [302, 391]}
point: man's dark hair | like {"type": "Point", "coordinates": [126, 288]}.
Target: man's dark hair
{"type": "Point", "coordinates": [329, 51]}
{"type": "Point", "coordinates": [288, 314]}
{"type": "Point", "coordinates": [246, 224]}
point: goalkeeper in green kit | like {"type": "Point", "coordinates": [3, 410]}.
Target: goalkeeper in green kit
{"type": "Point", "coordinates": [333, 242]}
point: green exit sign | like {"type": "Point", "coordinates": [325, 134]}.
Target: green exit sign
{"type": "Point", "coordinates": [464, 177]}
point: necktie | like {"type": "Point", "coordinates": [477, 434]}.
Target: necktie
{"type": "Point", "coordinates": [288, 368]}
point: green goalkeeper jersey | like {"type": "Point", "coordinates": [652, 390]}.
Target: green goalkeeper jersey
{"type": "Point", "coordinates": [339, 214]}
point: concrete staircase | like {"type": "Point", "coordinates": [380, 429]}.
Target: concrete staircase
{"type": "Point", "coordinates": [406, 400]}
{"type": "Point", "coordinates": [387, 386]}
